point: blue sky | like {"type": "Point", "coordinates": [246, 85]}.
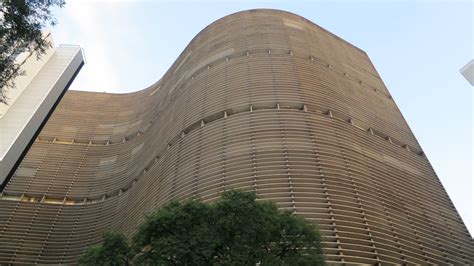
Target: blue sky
{"type": "Point", "coordinates": [417, 47]}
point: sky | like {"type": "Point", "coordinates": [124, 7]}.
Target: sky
{"type": "Point", "coordinates": [418, 48]}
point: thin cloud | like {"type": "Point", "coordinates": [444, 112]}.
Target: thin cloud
{"type": "Point", "coordinates": [99, 74]}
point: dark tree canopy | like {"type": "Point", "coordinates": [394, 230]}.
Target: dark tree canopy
{"type": "Point", "coordinates": [21, 23]}
{"type": "Point", "coordinates": [114, 251]}
{"type": "Point", "coordinates": [236, 230]}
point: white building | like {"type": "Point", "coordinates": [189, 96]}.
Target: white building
{"type": "Point", "coordinates": [468, 72]}
{"type": "Point", "coordinates": [33, 99]}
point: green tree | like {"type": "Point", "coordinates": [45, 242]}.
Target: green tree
{"type": "Point", "coordinates": [114, 251]}
{"type": "Point", "coordinates": [236, 230]}
{"type": "Point", "coordinates": [21, 23]}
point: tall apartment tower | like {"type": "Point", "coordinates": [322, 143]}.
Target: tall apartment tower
{"type": "Point", "coordinates": [260, 100]}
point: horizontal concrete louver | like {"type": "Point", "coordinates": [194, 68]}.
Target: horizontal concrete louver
{"type": "Point", "coordinates": [260, 100]}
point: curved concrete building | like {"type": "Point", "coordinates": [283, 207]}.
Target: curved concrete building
{"type": "Point", "coordinates": [261, 100]}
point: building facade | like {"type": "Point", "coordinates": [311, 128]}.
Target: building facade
{"type": "Point", "coordinates": [32, 99]}
{"type": "Point", "coordinates": [260, 100]}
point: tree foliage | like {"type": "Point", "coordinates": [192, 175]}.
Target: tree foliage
{"type": "Point", "coordinates": [236, 230]}
{"type": "Point", "coordinates": [114, 251]}
{"type": "Point", "coordinates": [21, 22]}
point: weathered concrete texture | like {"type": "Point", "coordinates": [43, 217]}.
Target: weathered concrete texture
{"type": "Point", "coordinates": [260, 100]}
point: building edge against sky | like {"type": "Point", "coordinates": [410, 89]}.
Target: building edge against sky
{"type": "Point", "coordinates": [33, 98]}
{"type": "Point", "coordinates": [260, 100]}
{"type": "Point", "coordinates": [468, 72]}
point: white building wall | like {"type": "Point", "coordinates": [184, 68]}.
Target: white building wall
{"type": "Point", "coordinates": [26, 113]}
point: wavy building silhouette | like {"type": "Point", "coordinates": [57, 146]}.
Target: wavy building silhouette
{"type": "Point", "coordinates": [260, 100]}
